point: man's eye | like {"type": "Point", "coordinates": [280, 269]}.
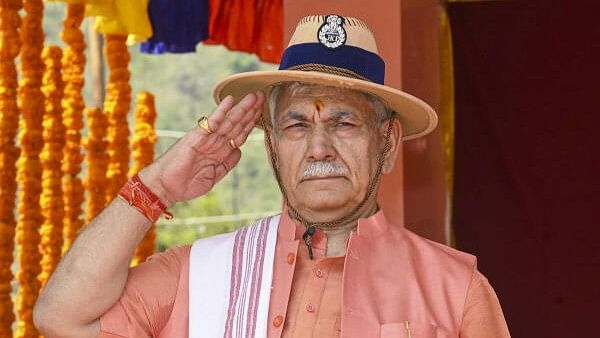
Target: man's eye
{"type": "Point", "coordinates": [344, 124]}
{"type": "Point", "coordinates": [298, 125]}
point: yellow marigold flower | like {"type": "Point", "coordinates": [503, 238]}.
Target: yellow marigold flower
{"type": "Point", "coordinates": [10, 44]}
{"type": "Point", "coordinates": [116, 108]}
{"type": "Point", "coordinates": [97, 162]}
{"type": "Point", "coordinates": [29, 166]}
{"type": "Point", "coordinates": [51, 156]}
{"type": "Point", "coordinates": [144, 139]}
{"type": "Point", "coordinates": [73, 62]}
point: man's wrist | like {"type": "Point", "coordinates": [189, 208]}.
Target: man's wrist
{"type": "Point", "coordinates": [139, 196]}
{"type": "Point", "coordinates": [152, 180]}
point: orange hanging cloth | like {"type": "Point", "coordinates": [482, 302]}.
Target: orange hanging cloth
{"type": "Point", "coordinates": [217, 24]}
{"type": "Point", "coordinates": [249, 26]}
{"type": "Point", "coordinates": [231, 23]}
{"type": "Point", "coordinates": [268, 31]}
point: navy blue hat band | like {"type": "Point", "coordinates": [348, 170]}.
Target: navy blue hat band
{"type": "Point", "coordinates": [354, 59]}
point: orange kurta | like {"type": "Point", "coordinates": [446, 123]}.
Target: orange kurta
{"type": "Point", "coordinates": [306, 299]}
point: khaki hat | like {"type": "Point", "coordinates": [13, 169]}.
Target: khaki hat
{"type": "Point", "coordinates": [335, 51]}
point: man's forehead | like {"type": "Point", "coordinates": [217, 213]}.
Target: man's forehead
{"type": "Point", "coordinates": [300, 115]}
{"type": "Point", "coordinates": [302, 91]}
{"type": "Point", "coordinates": [322, 97]}
{"type": "Point", "coordinates": [331, 109]}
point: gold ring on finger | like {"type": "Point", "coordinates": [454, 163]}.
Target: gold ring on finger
{"type": "Point", "coordinates": [232, 144]}
{"type": "Point", "coordinates": [203, 123]}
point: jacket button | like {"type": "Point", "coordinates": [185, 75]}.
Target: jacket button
{"type": "Point", "coordinates": [319, 273]}
{"type": "Point", "coordinates": [291, 258]}
{"type": "Point", "coordinates": [277, 321]}
{"type": "Point", "coordinates": [310, 308]}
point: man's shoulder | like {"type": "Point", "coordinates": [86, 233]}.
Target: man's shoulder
{"type": "Point", "coordinates": [432, 250]}
{"type": "Point", "coordinates": [177, 255]}
{"type": "Point", "coordinates": [256, 225]}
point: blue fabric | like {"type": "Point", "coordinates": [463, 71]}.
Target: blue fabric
{"type": "Point", "coordinates": [177, 25]}
{"type": "Point", "coordinates": [358, 60]}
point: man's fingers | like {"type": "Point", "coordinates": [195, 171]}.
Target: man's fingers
{"type": "Point", "coordinates": [199, 134]}
{"type": "Point", "coordinates": [219, 113]}
{"type": "Point", "coordinates": [226, 121]}
{"type": "Point", "coordinates": [249, 121]}
{"type": "Point", "coordinates": [243, 135]}
{"type": "Point", "coordinates": [229, 163]}
{"type": "Point", "coordinates": [240, 130]}
{"type": "Point", "coordinates": [260, 99]}
{"type": "Point", "coordinates": [258, 107]}
{"type": "Point", "coordinates": [242, 113]}
{"type": "Point", "coordinates": [245, 129]}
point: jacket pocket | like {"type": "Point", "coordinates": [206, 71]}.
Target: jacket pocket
{"type": "Point", "coordinates": [414, 330]}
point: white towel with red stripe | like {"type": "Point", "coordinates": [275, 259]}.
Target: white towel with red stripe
{"type": "Point", "coordinates": [230, 282]}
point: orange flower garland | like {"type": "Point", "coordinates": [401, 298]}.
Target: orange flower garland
{"type": "Point", "coordinates": [97, 162]}
{"type": "Point", "coordinates": [73, 67]}
{"type": "Point", "coordinates": [10, 44]}
{"type": "Point", "coordinates": [51, 156]}
{"type": "Point", "coordinates": [116, 107]}
{"type": "Point", "coordinates": [29, 165]}
{"type": "Point", "coordinates": [143, 142]}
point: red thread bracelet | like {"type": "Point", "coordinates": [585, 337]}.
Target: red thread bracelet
{"type": "Point", "coordinates": [139, 196]}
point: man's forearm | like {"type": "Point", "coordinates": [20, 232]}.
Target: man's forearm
{"type": "Point", "coordinates": [92, 275]}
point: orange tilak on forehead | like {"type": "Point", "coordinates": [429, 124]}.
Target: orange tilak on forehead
{"type": "Point", "coordinates": [318, 105]}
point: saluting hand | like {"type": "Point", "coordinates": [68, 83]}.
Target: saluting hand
{"type": "Point", "coordinates": [201, 158]}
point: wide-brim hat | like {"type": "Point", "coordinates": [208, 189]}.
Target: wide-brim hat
{"type": "Point", "coordinates": [335, 51]}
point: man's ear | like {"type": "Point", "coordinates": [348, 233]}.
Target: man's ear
{"type": "Point", "coordinates": [395, 144]}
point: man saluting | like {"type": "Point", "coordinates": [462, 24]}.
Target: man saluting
{"type": "Point", "coordinates": [329, 265]}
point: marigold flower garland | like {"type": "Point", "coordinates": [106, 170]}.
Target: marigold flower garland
{"type": "Point", "coordinates": [97, 162]}
{"type": "Point", "coordinates": [51, 156]}
{"type": "Point", "coordinates": [116, 107]}
{"type": "Point", "coordinates": [10, 44]}
{"type": "Point", "coordinates": [73, 67]}
{"type": "Point", "coordinates": [142, 144]}
{"type": "Point", "coordinates": [29, 165]}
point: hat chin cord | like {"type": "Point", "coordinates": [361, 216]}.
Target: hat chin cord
{"type": "Point", "coordinates": [311, 227]}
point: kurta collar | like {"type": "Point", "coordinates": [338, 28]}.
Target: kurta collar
{"type": "Point", "coordinates": [373, 226]}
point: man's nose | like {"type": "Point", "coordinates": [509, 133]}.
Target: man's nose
{"type": "Point", "coordinates": [320, 145]}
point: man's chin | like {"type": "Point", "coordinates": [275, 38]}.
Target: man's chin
{"type": "Point", "coordinates": [325, 191]}
{"type": "Point", "coordinates": [328, 207]}
{"type": "Point", "coordinates": [328, 186]}
{"type": "Point", "coordinates": [315, 197]}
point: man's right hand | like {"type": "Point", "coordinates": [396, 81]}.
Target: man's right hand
{"type": "Point", "coordinates": [92, 275]}
{"type": "Point", "coordinates": [193, 165]}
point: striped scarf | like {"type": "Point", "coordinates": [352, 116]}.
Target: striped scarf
{"type": "Point", "coordinates": [230, 282]}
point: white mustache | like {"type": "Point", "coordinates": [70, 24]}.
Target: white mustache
{"type": "Point", "coordinates": [323, 169]}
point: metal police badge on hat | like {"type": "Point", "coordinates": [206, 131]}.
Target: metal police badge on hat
{"type": "Point", "coordinates": [332, 33]}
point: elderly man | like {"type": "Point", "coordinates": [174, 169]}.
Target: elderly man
{"type": "Point", "coordinates": [330, 265]}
